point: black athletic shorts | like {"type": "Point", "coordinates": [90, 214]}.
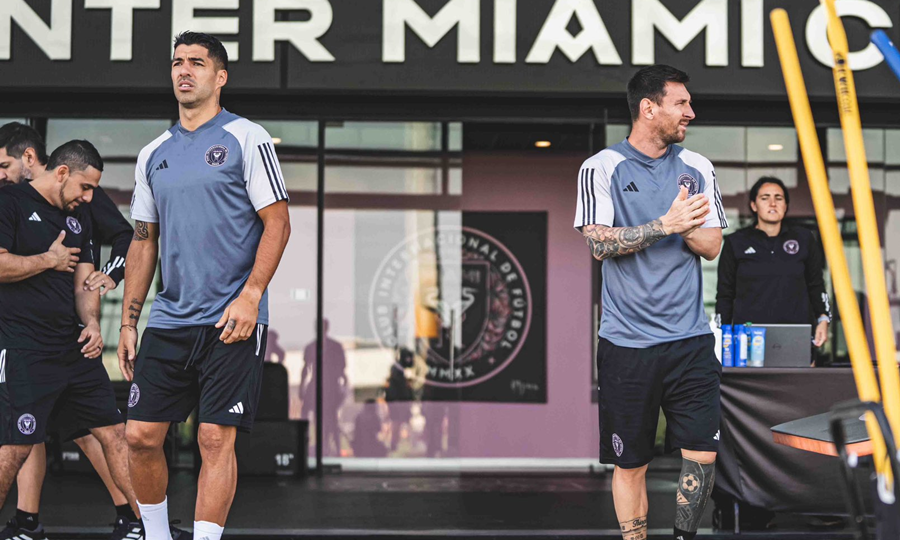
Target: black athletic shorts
{"type": "Point", "coordinates": [32, 383]}
{"type": "Point", "coordinates": [682, 377]}
{"type": "Point", "coordinates": [177, 369]}
{"type": "Point", "coordinates": [63, 423]}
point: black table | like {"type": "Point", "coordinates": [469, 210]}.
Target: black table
{"type": "Point", "coordinates": [751, 466]}
{"type": "Point", "coordinates": [813, 434]}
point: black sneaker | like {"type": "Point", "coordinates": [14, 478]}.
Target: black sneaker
{"type": "Point", "coordinates": [13, 531]}
{"type": "Point", "coordinates": [178, 534]}
{"type": "Point", "coordinates": [127, 530]}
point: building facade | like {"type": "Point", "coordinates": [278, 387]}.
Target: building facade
{"type": "Point", "coordinates": [438, 141]}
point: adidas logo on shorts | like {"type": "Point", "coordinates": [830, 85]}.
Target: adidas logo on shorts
{"type": "Point", "coordinates": [237, 409]}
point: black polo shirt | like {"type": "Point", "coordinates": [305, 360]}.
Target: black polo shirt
{"type": "Point", "coordinates": [773, 280]}
{"type": "Point", "coordinates": [39, 313]}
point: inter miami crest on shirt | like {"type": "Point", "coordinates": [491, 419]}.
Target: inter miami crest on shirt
{"type": "Point", "coordinates": [73, 225]}
{"type": "Point", "coordinates": [689, 182]}
{"type": "Point", "coordinates": [792, 247]}
{"type": "Point", "coordinates": [217, 155]}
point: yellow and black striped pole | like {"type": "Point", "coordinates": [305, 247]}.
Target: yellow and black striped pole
{"type": "Point", "coordinates": [864, 373]}
{"type": "Point", "coordinates": [864, 207]}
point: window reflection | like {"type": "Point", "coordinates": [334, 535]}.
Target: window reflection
{"type": "Point", "coordinates": [385, 179]}
{"type": "Point", "coordinates": [408, 136]}
{"type": "Point", "coordinates": [290, 133]}
{"type": "Point", "coordinates": [112, 138]}
{"type": "Point", "coordinates": [732, 180]}
{"type": "Point", "coordinates": [718, 143]}
{"type": "Point", "coordinates": [892, 146]}
{"type": "Point", "coordinates": [772, 145]}
{"type": "Point", "coordinates": [374, 373]}
{"type": "Point", "coordinates": [299, 175]}
{"type": "Point", "coordinates": [873, 139]}
{"type": "Point", "coordinates": [788, 175]}
{"type": "Point", "coordinates": [292, 308]}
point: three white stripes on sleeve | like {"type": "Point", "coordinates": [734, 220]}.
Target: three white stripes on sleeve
{"type": "Point", "coordinates": [118, 262]}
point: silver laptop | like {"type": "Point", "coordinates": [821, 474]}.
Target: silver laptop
{"type": "Point", "coordinates": [788, 345]}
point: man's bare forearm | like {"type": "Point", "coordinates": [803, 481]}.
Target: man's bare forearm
{"type": "Point", "coordinates": [268, 256]}
{"type": "Point", "coordinates": [15, 268]}
{"type": "Point", "coordinates": [607, 242]}
{"type": "Point", "coordinates": [87, 306]}
{"type": "Point", "coordinates": [705, 242]}
{"type": "Point", "coordinates": [139, 273]}
{"type": "Point", "coordinates": [87, 303]}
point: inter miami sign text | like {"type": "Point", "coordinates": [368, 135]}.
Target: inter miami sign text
{"type": "Point", "coordinates": [546, 46]}
{"type": "Point", "coordinates": [473, 299]}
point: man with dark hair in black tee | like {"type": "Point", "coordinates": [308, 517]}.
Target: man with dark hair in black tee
{"type": "Point", "coordinates": [23, 156]}
{"type": "Point", "coordinates": [50, 340]}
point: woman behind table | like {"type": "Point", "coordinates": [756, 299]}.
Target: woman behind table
{"type": "Point", "coordinates": [771, 272]}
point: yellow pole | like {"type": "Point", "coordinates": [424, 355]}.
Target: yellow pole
{"type": "Point", "coordinates": [864, 373]}
{"type": "Point", "coordinates": [869, 241]}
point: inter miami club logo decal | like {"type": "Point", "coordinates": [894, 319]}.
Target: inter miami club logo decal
{"type": "Point", "coordinates": [216, 155]}
{"type": "Point", "coordinates": [791, 247]}
{"type": "Point", "coordinates": [134, 395]}
{"type": "Point", "coordinates": [689, 182]}
{"type": "Point", "coordinates": [73, 225]}
{"type": "Point", "coordinates": [27, 424]}
{"type": "Point", "coordinates": [618, 445]}
{"type": "Point", "coordinates": [462, 294]}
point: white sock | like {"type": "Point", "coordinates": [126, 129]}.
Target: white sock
{"type": "Point", "coordinates": [205, 530]}
{"type": "Point", "coordinates": [156, 520]}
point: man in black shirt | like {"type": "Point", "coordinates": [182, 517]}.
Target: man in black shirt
{"type": "Point", "coordinates": [771, 273]}
{"type": "Point", "coordinates": [50, 339]}
{"type": "Point", "coordinates": [23, 156]}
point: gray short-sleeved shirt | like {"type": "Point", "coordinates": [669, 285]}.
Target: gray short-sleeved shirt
{"type": "Point", "coordinates": [204, 188]}
{"type": "Point", "coordinates": [656, 295]}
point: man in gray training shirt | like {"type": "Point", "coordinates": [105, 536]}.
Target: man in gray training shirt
{"type": "Point", "coordinates": [650, 210]}
{"type": "Point", "coordinates": [210, 198]}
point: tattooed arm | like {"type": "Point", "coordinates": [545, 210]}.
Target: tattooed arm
{"type": "Point", "coordinates": [684, 216]}
{"type": "Point", "coordinates": [606, 242]}
{"type": "Point", "coordinates": [139, 273]}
